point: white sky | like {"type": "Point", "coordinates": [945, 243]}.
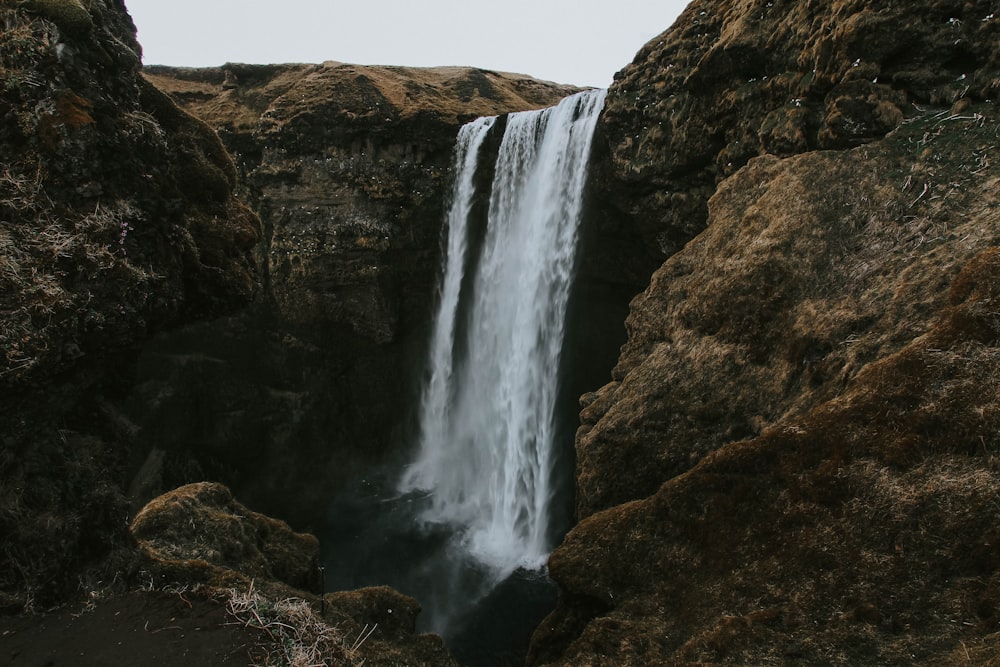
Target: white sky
{"type": "Point", "coordinates": [582, 42]}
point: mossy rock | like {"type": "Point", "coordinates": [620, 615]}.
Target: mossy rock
{"type": "Point", "coordinates": [200, 529]}
{"type": "Point", "coordinates": [70, 15]}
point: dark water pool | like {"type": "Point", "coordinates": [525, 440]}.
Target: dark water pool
{"type": "Point", "coordinates": [374, 537]}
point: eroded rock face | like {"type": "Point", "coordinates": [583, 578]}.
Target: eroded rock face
{"type": "Point", "coordinates": [796, 455]}
{"type": "Point", "coordinates": [117, 219]}
{"type": "Point", "coordinates": [732, 80]}
{"type": "Point", "coordinates": [349, 168]}
{"type": "Point", "coordinates": [118, 214]}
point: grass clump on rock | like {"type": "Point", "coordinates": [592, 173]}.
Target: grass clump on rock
{"type": "Point", "coordinates": [300, 637]}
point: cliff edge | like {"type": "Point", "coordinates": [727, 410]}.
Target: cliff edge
{"type": "Point", "coordinates": [117, 219]}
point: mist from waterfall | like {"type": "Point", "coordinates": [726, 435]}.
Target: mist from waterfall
{"type": "Point", "coordinates": [487, 420]}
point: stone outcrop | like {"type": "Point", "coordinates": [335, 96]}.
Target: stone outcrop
{"type": "Point", "coordinates": [386, 620]}
{"type": "Point", "coordinates": [202, 522]}
{"type": "Point", "coordinates": [139, 227]}
{"type": "Point", "coordinates": [348, 167]}
{"type": "Point", "coordinates": [795, 459]}
{"type": "Point", "coordinates": [732, 80]}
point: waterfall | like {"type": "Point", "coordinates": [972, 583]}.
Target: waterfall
{"type": "Point", "coordinates": [487, 431]}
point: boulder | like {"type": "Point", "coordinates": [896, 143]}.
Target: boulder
{"type": "Point", "coordinates": [202, 522]}
{"type": "Point", "coordinates": [382, 622]}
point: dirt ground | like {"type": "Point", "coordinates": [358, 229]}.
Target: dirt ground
{"type": "Point", "coordinates": [162, 629]}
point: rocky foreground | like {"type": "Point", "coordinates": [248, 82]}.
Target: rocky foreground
{"type": "Point", "coordinates": [794, 459]}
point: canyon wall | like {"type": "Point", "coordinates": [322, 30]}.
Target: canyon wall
{"type": "Point", "coordinates": [117, 219]}
{"type": "Point", "coordinates": [795, 458]}
{"type": "Point", "coordinates": [349, 168]}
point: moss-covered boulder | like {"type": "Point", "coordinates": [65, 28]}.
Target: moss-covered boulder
{"type": "Point", "coordinates": [202, 522]}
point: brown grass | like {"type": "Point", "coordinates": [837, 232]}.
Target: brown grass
{"type": "Point", "coordinates": [299, 636]}
{"type": "Point", "coordinates": [43, 264]}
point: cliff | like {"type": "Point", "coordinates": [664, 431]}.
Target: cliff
{"type": "Point", "coordinates": [796, 457]}
{"type": "Point", "coordinates": [349, 168]}
{"type": "Point", "coordinates": [117, 219]}
{"type": "Point", "coordinates": [348, 165]}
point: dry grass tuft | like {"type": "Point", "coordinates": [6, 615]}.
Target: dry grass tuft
{"type": "Point", "coordinates": [44, 265]}
{"type": "Point", "coordinates": [299, 636]}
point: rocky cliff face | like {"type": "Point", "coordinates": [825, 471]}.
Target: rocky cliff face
{"type": "Point", "coordinates": [348, 165]}
{"type": "Point", "coordinates": [796, 458]}
{"type": "Point", "coordinates": [349, 169]}
{"type": "Point", "coordinates": [117, 219]}
{"type": "Point", "coordinates": [733, 80]}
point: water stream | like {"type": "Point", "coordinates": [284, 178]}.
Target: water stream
{"type": "Point", "coordinates": [468, 525]}
{"type": "Point", "coordinates": [487, 430]}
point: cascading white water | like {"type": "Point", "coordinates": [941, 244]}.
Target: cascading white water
{"type": "Point", "coordinates": [487, 412]}
{"type": "Point", "coordinates": [437, 394]}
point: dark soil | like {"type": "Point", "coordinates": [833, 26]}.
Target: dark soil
{"type": "Point", "coordinates": [135, 629]}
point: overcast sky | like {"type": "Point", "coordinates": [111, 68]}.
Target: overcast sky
{"type": "Point", "coordinates": [582, 42]}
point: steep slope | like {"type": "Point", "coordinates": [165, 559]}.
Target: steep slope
{"type": "Point", "coordinates": [796, 459]}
